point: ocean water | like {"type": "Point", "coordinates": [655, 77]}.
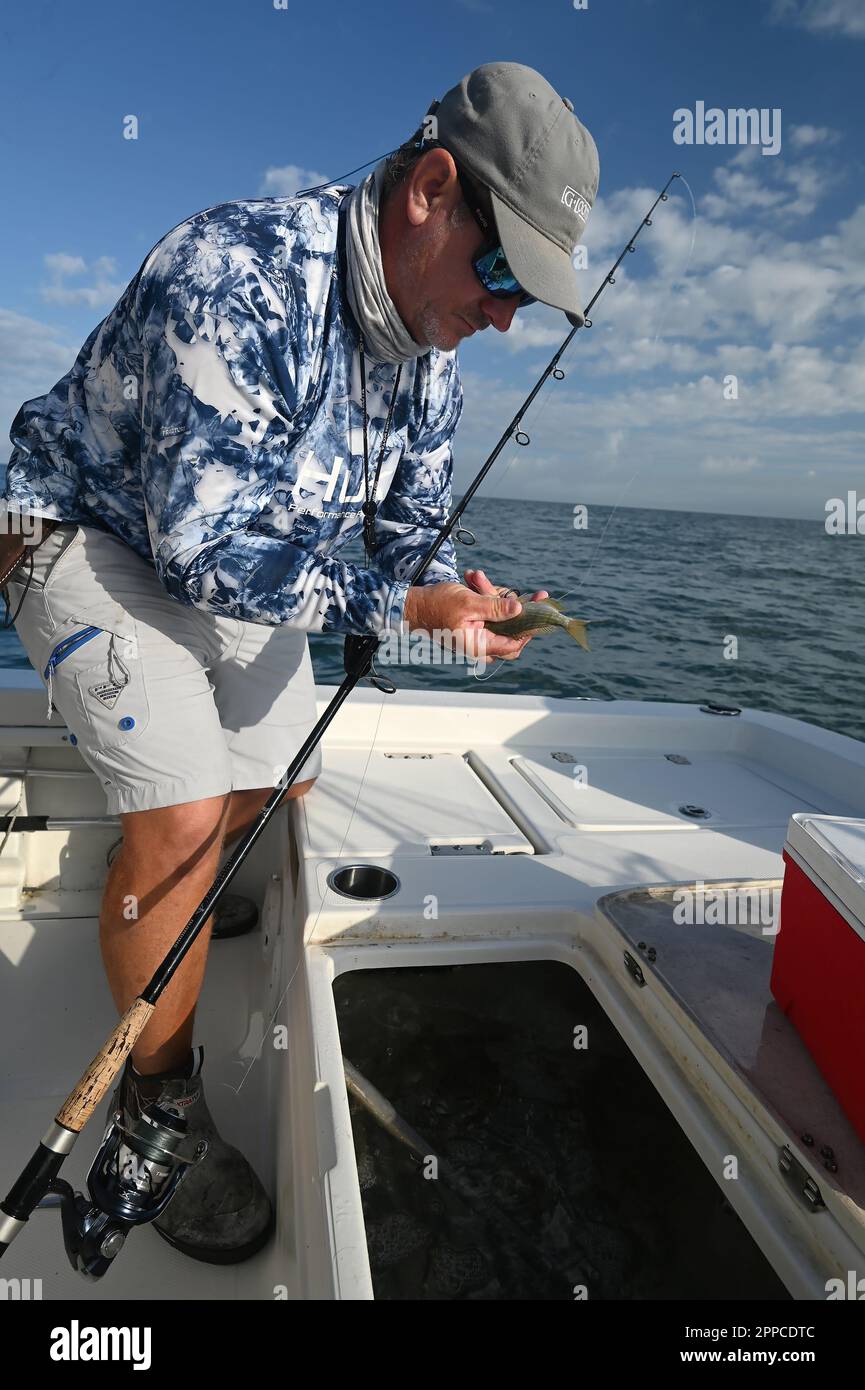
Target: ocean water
{"type": "Point", "coordinates": [664, 592]}
{"type": "Point", "coordinates": [753, 611]}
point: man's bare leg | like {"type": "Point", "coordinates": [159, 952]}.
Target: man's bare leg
{"type": "Point", "coordinates": [246, 805]}
{"type": "Point", "coordinates": [167, 861]}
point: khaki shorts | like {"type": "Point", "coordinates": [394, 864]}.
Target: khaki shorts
{"type": "Point", "coordinates": [165, 702]}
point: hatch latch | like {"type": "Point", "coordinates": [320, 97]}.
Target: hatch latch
{"type": "Point", "coordinates": [800, 1180]}
{"type": "Point", "coordinates": [633, 968]}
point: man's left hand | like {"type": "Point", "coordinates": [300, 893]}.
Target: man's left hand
{"type": "Point", "coordinates": [499, 648]}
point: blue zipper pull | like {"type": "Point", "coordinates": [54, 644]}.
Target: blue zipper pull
{"type": "Point", "coordinates": [70, 644]}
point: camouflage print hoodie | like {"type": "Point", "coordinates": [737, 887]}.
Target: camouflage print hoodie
{"type": "Point", "coordinates": [213, 422]}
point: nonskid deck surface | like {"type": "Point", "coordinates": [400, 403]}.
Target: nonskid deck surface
{"type": "Point", "coordinates": [57, 1010]}
{"type": "Point", "coordinates": [516, 811]}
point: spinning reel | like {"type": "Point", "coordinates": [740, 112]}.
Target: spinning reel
{"type": "Point", "coordinates": [131, 1181]}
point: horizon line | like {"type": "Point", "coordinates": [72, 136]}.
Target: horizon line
{"type": "Point", "coordinates": [625, 507]}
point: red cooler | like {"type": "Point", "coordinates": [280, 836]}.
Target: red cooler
{"type": "Point", "coordinates": [818, 974]}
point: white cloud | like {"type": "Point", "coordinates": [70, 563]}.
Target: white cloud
{"type": "Point", "coordinates": [734, 277]}
{"type": "Point", "coordinates": [542, 327]}
{"type": "Point", "coordinates": [61, 264]}
{"type": "Point", "coordinates": [33, 356]}
{"type": "Point", "coordinates": [845, 17]}
{"type": "Point", "coordinates": [655, 405]}
{"type": "Point", "coordinates": [742, 290]}
{"type": "Point", "coordinates": [805, 136]}
{"type": "Point", "coordinates": [739, 191]}
{"type": "Point", "coordinates": [101, 293]}
{"type": "Point", "coordinates": [745, 183]}
{"type": "Point", "coordinates": [728, 466]}
{"type": "Point", "coordinates": [283, 181]}
{"type": "Point", "coordinates": [614, 441]}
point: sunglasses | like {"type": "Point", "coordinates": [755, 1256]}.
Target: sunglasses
{"type": "Point", "coordinates": [491, 265]}
{"type": "Point", "coordinates": [498, 279]}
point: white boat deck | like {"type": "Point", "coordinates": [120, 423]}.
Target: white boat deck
{"type": "Point", "coordinates": [518, 828]}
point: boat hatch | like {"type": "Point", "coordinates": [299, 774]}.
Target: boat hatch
{"type": "Point", "coordinates": [441, 808]}
{"type": "Point", "coordinates": [601, 790]}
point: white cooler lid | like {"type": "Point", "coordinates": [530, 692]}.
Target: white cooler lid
{"type": "Point", "coordinates": [833, 849]}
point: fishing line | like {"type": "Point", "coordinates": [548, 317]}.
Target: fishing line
{"type": "Point", "coordinates": [619, 503]}
{"type": "Point", "coordinates": [547, 399]}
{"type": "Point", "coordinates": [301, 192]}
{"type": "Point", "coordinates": [665, 304]}
{"type": "Point", "coordinates": [324, 902]}
{"type": "Point", "coordinates": [561, 597]}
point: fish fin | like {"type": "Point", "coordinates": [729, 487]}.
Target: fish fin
{"type": "Point", "coordinates": [550, 602]}
{"type": "Point", "coordinates": [577, 630]}
{"type": "Point", "coordinates": [527, 598]}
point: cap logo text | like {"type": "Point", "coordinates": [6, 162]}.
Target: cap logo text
{"type": "Point", "coordinates": [576, 202]}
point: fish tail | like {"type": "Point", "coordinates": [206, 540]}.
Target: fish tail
{"type": "Point", "coordinates": [577, 630]}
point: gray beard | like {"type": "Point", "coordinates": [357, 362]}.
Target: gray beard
{"type": "Point", "coordinates": [430, 325]}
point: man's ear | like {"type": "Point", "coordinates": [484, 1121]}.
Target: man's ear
{"type": "Point", "coordinates": [432, 185]}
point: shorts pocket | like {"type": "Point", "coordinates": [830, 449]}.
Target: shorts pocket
{"type": "Point", "coordinates": [98, 665]}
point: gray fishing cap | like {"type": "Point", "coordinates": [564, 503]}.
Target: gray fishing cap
{"type": "Point", "coordinates": [516, 135]}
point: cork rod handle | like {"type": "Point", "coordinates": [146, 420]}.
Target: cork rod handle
{"type": "Point", "coordinates": [89, 1091]}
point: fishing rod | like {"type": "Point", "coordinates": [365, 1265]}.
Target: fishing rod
{"type": "Point", "coordinates": [138, 1168]}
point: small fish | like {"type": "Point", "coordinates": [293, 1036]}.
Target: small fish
{"type": "Point", "coordinates": [541, 616]}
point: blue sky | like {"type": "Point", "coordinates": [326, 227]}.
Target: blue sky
{"type": "Point", "coordinates": [239, 99]}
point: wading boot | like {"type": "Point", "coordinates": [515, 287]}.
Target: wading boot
{"type": "Point", "coordinates": [220, 1212]}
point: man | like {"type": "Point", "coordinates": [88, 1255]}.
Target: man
{"type": "Point", "coordinates": [277, 373]}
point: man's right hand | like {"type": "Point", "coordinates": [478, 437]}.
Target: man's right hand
{"type": "Point", "coordinates": [455, 608]}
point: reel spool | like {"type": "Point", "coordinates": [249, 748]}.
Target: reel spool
{"type": "Point", "coordinates": [131, 1181]}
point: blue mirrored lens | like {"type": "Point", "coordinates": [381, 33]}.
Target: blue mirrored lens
{"type": "Point", "coordinates": [497, 277]}
{"type": "Point", "coordinates": [496, 274]}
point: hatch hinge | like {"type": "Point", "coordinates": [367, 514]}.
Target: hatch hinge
{"type": "Point", "coordinates": [799, 1179]}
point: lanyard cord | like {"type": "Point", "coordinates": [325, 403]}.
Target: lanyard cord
{"type": "Point", "coordinates": [370, 506]}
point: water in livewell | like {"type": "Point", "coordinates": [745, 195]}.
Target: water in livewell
{"type": "Point", "coordinates": [562, 1173]}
